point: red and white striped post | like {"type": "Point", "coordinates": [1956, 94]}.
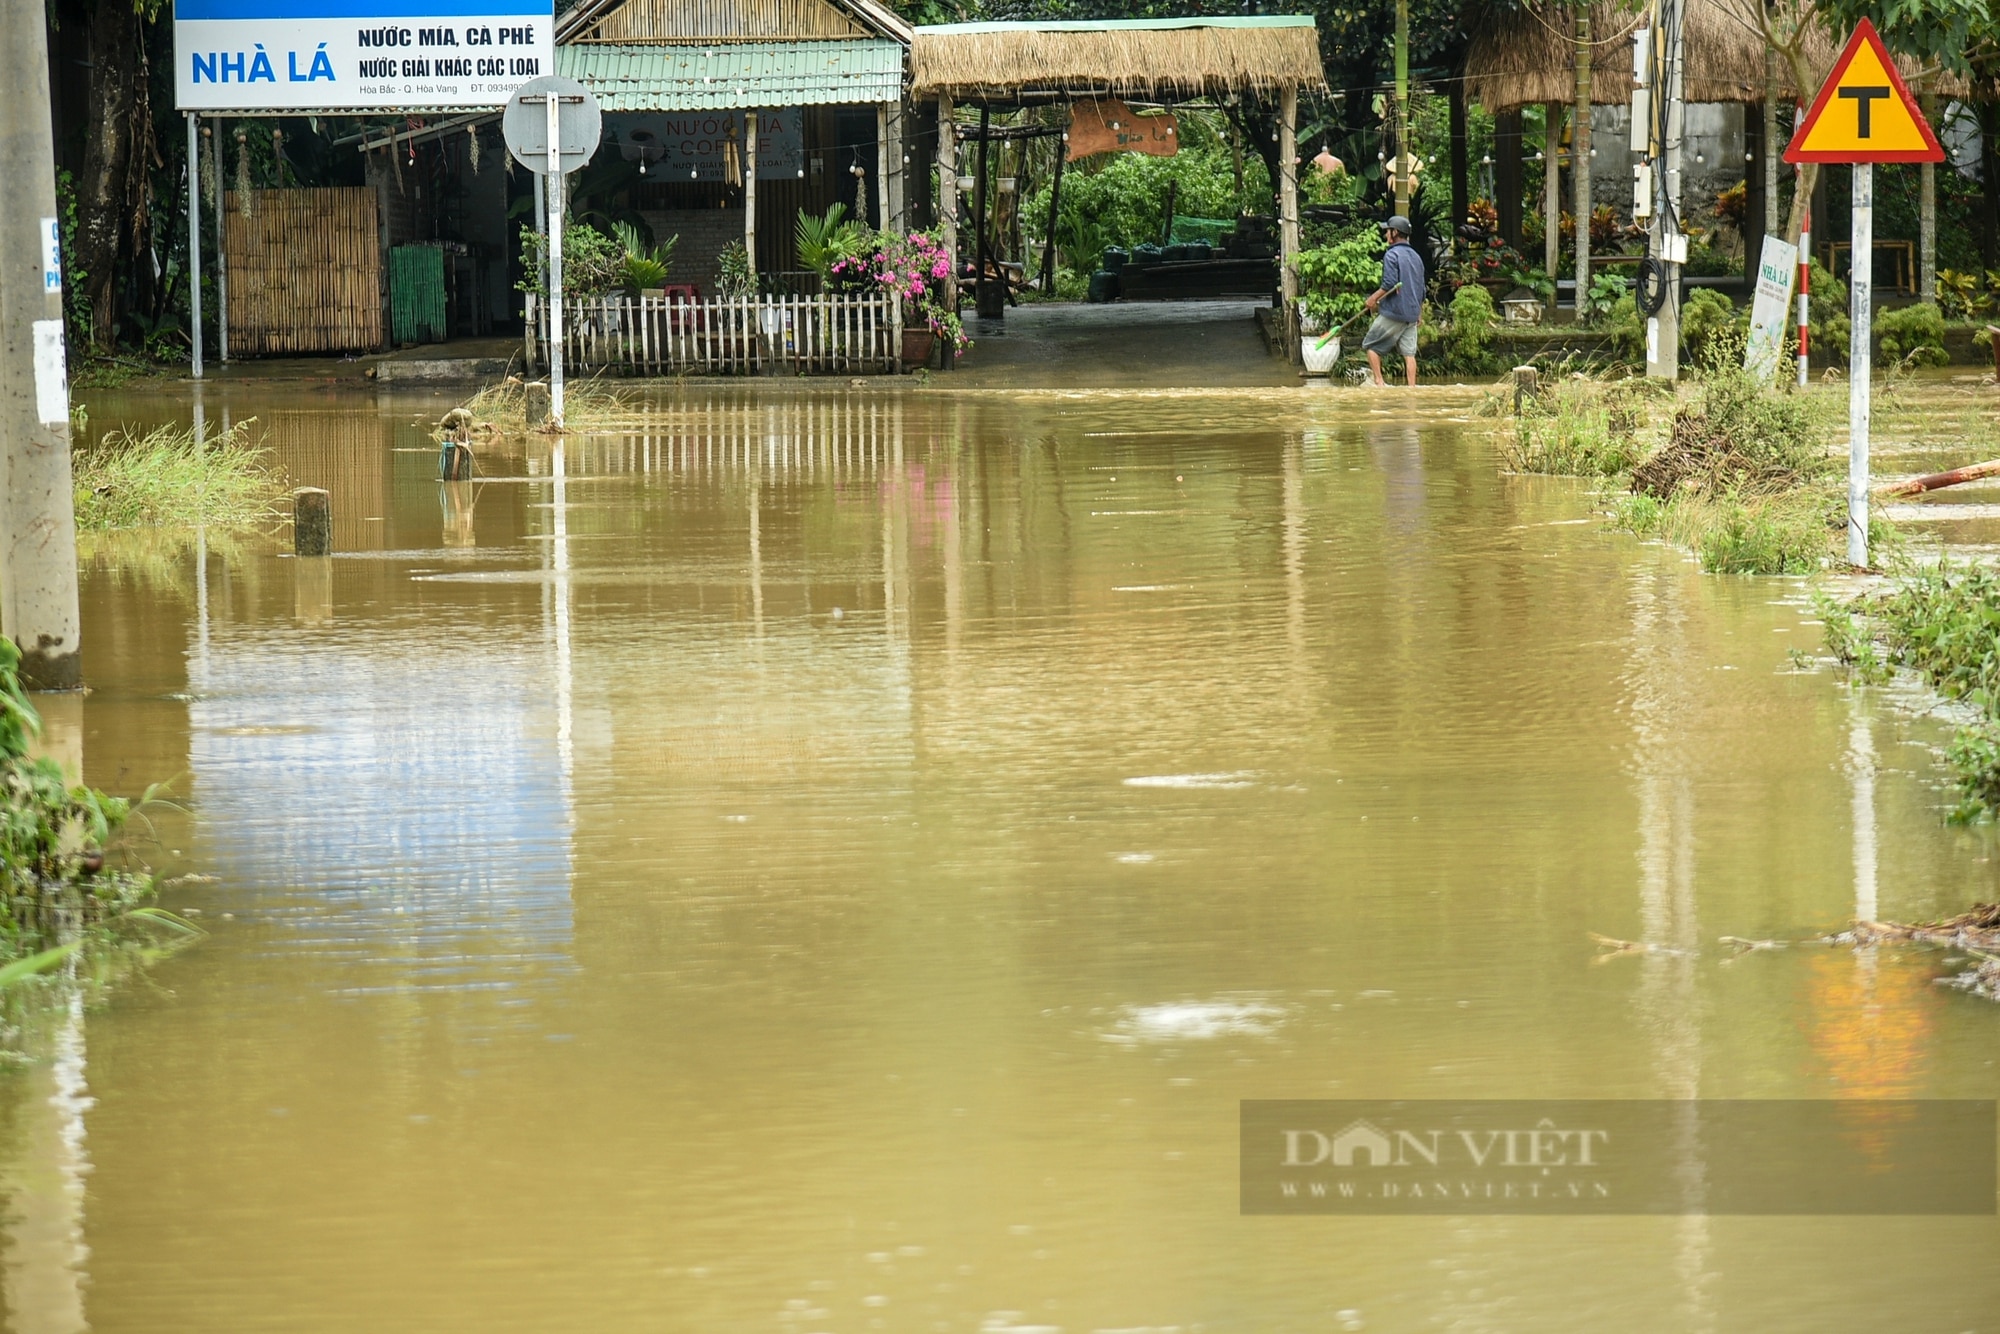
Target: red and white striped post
{"type": "Point", "coordinates": [1805, 288]}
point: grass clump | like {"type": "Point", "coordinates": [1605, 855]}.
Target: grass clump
{"type": "Point", "coordinates": [1584, 426]}
{"type": "Point", "coordinates": [169, 478]}
{"type": "Point", "coordinates": [1732, 470]}
{"type": "Point", "coordinates": [502, 409]}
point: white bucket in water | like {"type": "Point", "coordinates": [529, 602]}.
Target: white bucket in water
{"type": "Point", "coordinates": [1320, 352]}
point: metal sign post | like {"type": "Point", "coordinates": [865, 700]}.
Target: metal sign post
{"type": "Point", "coordinates": [1863, 115]}
{"type": "Point", "coordinates": [552, 126]}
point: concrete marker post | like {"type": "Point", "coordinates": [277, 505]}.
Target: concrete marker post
{"type": "Point", "coordinates": [38, 593]}
{"type": "Point", "coordinates": [312, 522]}
{"type": "Point", "coordinates": [1527, 385]}
{"type": "Point", "coordinates": [1860, 279]}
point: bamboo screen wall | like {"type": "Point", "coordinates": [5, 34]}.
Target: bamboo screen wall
{"type": "Point", "coordinates": [305, 271]}
{"type": "Point", "coordinates": [707, 20]}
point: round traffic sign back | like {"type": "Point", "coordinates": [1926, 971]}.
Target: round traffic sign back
{"type": "Point", "coordinates": [525, 123]}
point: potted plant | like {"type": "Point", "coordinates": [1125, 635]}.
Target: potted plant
{"type": "Point", "coordinates": [916, 268]}
{"type": "Point", "coordinates": [644, 267]}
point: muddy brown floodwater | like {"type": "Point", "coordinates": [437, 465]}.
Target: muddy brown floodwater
{"type": "Point", "coordinates": [833, 859]}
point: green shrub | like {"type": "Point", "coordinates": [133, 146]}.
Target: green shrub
{"type": "Point", "coordinates": [1626, 330]}
{"type": "Point", "coordinates": [1827, 321]}
{"type": "Point", "coordinates": [1119, 199]}
{"type": "Point", "coordinates": [1468, 340]}
{"type": "Point", "coordinates": [593, 263]}
{"type": "Point", "coordinates": [1707, 319]}
{"type": "Point", "coordinates": [1912, 336]}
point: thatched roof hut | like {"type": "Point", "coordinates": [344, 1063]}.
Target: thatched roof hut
{"type": "Point", "coordinates": [1145, 57]}
{"type": "Point", "coordinates": [1526, 56]}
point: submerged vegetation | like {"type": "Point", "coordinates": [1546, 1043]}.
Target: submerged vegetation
{"type": "Point", "coordinates": [169, 478]}
{"type": "Point", "coordinates": [56, 849]}
{"type": "Point", "coordinates": [1733, 471]}
{"type": "Point", "coordinates": [502, 409]}
{"type": "Point", "coordinates": [1942, 621]}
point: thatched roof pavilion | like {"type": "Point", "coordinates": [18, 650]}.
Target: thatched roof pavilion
{"type": "Point", "coordinates": [1525, 57]}
{"type": "Point", "coordinates": [1144, 57]}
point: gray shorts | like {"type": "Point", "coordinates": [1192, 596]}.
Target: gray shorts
{"type": "Point", "coordinates": [1386, 335]}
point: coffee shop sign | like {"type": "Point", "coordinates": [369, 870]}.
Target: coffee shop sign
{"type": "Point", "coordinates": [330, 55]}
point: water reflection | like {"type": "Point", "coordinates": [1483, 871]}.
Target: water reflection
{"type": "Point", "coordinates": [837, 860]}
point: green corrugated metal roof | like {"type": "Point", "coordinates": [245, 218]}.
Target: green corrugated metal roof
{"type": "Point", "coordinates": [736, 75]}
{"type": "Point", "coordinates": [1114, 25]}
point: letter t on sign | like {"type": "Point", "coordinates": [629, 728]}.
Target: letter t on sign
{"type": "Point", "coordinates": [1863, 97]}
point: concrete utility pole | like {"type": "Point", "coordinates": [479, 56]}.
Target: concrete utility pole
{"type": "Point", "coordinates": [1579, 154]}
{"type": "Point", "coordinates": [1668, 244]}
{"type": "Point", "coordinates": [38, 605]}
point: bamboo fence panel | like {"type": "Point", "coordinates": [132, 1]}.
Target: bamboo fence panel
{"type": "Point", "coordinates": [305, 271]}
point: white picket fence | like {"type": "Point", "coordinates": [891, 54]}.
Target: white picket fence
{"type": "Point", "coordinates": [647, 335]}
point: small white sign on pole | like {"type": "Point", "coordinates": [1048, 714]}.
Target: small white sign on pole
{"type": "Point", "coordinates": [1770, 308]}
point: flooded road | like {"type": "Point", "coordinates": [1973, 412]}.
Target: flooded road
{"type": "Point", "coordinates": [834, 860]}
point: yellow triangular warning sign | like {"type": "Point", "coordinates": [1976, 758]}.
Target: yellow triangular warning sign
{"type": "Point", "coordinates": [1864, 113]}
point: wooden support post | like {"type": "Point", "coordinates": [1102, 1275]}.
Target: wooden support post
{"type": "Point", "coordinates": [1055, 211]}
{"type": "Point", "coordinates": [750, 193]}
{"type": "Point", "coordinates": [1288, 214]}
{"type": "Point", "coordinates": [1552, 119]}
{"type": "Point", "coordinates": [982, 299]}
{"type": "Point", "coordinates": [897, 174]}
{"type": "Point", "coordinates": [312, 522]}
{"type": "Point", "coordinates": [1507, 175]}
{"type": "Point", "coordinates": [882, 218]}
{"type": "Point", "coordinates": [947, 222]}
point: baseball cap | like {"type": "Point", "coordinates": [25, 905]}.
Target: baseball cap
{"type": "Point", "coordinates": [1397, 222]}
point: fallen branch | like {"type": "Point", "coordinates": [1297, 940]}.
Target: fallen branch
{"type": "Point", "coordinates": [1612, 947]}
{"type": "Point", "coordinates": [1937, 481]}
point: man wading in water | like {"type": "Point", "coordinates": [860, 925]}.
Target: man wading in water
{"type": "Point", "coordinates": [1398, 304]}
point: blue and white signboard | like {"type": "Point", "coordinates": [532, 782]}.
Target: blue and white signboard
{"type": "Point", "coordinates": [359, 55]}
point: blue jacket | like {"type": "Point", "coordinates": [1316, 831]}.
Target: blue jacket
{"type": "Point", "coordinates": [1402, 264]}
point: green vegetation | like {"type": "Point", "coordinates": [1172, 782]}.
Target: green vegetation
{"type": "Point", "coordinates": [1912, 336]}
{"type": "Point", "coordinates": [1708, 318]}
{"type": "Point", "coordinates": [1941, 621]}
{"type": "Point", "coordinates": [593, 263]}
{"type": "Point", "coordinates": [168, 478]}
{"type": "Point", "coordinates": [645, 265]}
{"type": "Point", "coordinates": [1467, 341]}
{"type": "Point", "coordinates": [53, 847]}
{"type": "Point", "coordinates": [825, 240]}
{"type": "Point", "coordinates": [1734, 472]}
{"type": "Point", "coordinates": [1582, 426]}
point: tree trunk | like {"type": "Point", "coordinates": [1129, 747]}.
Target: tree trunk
{"type": "Point", "coordinates": [1461, 190]}
{"type": "Point", "coordinates": [110, 195]}
{"type": "Point", "coordinates": [1927, 212]}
